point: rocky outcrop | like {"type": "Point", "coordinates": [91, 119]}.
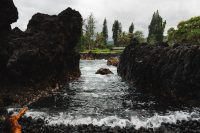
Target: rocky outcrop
{"type": "Point", "coordinates": [171, 73]}
{"type": "Point", "coordinates": [45, 51]}
{"type": "Point", "coordinates": [103, 71]}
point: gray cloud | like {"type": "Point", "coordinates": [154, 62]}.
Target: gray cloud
{"type": "Point", "coordinates": [126, 11]}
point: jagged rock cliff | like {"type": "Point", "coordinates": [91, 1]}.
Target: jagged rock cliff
{"type": "Point", "coordinates": [44, 52]}
{"type": "Point", "coordinates": [171, 73]}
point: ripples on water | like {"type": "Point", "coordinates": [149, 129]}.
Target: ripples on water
{"type": "Point", "coordinates": [105, 99]}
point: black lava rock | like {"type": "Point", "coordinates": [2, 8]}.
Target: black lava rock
{"type": "Point", "coordinates": [170, 73]}
{"type": "Point", "coordinates": [44, 52]}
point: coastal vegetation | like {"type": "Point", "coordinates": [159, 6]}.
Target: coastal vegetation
{"type": "Point", "coordinates": [187, 32]}
{"type": "Point", "coordinates": [100, 42]}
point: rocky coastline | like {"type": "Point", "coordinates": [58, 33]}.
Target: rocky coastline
{"type": "Point", "coordinates": [170, 73]}
{"type": "Point", "coordinates": [36, 62]}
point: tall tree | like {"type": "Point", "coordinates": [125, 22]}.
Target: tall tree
{"type": "Point", "coordinates": [105, 31]}
{"type": "Point", "coordinates": [116, 30]}
{"type": "Point", "coordinates": [90, 29]}
{"type": "Point", "coordinates": [131, 28]}
{"type": "Point", "coordinates": [156, 29]}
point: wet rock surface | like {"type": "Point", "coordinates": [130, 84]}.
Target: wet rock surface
{"type": "Point", "coordinates": [171, 73]}
{"type": "Point", "coordinates": [30, 125]}
{"type": "Point", "coordinates": [104, 71]}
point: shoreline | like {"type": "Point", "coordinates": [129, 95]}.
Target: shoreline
{"type": "Point", "coordinates": [31, 125]}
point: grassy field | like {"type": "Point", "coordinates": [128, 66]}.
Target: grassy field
{"type": "Point", "coordinates": [102, 51]}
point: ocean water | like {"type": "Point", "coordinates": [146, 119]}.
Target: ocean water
{"type": "Point", "coordinates": [106, 100]}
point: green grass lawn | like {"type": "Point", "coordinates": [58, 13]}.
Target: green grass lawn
{"type": "Point", "coordinates": [102, 51]}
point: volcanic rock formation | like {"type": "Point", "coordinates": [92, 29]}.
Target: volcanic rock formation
{"type": "Point", "coordinates": [171, 73]}
{"type": "Point", "coordinates": [44, 52]}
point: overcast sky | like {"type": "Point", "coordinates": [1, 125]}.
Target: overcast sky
{"type": "Point", "coordinates": [126, 11]}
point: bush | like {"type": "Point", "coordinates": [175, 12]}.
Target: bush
{"type": "Point", "coordinates": [187, 32]}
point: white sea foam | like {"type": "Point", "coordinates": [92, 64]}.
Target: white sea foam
{"type": "Point", "coordinates": [149, 122]}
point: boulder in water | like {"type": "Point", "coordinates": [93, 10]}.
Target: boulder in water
{"type": "Point", "coordinates": [104, 71]}
{"type": "Point", "coordinates": [114, 61]}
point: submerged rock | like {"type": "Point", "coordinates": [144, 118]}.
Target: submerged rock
{"type": "Point", "coordinates": [114, 61]}
{"type": "Point", "coordinates": [171, 73]}
{"type": "Point", "coordinates": [104, 71]}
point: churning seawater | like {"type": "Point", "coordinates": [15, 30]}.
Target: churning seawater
{"type": "Point", "coordinates": [105, 100]}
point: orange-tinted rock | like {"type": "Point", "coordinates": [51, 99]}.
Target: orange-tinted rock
{"type": "Point", "coordinates": [114, 61]}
